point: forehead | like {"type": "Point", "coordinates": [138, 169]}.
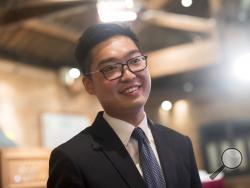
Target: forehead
{"type": "Point", "coordinates": [117, 47]}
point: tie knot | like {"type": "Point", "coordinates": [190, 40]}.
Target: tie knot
{"type": "Point", "coordinates": [139, 135]}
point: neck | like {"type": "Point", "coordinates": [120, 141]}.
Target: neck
{"type": "Point", "coordinates": [132, 117]}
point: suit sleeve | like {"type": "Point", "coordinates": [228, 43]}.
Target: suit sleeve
{"type": "Point", "coordinates": [195, 178]}
{"type": "Point", "coordinates": [62, 172]}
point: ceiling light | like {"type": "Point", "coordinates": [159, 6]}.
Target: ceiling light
{"type": "Point", "coordinates": [74, 73]}
{"type": "Point", "coordinates": [68, 75]}
{"type": "Point", "coordinates": [116, 10]}
{"type": "Point", "coordinates": [166, 105]}
{"type": "Point", "coordinates": [120, 16]}
{"type": "Point", "coordinates": [186, 3]}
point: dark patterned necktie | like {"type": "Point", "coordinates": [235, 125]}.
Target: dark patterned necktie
{"type": "Point", "coordinates": [151, 170]}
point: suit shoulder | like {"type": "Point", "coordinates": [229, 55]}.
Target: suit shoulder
{"type": "Point", "coordinates": [171, 133]}
{"type": "Point", "coordinates": [81, 140]}
{"type": "Point", "coordinates": [177, 142]}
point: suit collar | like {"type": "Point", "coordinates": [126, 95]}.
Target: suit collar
{"type": "Point", "coordinates": [104, 139]}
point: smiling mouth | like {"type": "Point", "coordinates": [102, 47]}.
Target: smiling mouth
{"type": "Point", "coordinates": [131, 90]}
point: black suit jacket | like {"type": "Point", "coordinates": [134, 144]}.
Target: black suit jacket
{"type": "Point", "coordinates": [96, 158]}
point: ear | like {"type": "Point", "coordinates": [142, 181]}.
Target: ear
{"type": "Point", "coordinates": [88, 84]}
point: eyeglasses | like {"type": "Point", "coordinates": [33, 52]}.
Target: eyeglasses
{"type": "Point", "coordinates": [116, 70]}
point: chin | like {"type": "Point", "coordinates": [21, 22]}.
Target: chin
{"type": "Point", "coordinates": [135, 105]}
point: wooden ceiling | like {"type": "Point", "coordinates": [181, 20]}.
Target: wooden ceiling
{"type": "Point", "coordinates": [45, 32]}
{"type": "Point", "coordinates": [47, 35]}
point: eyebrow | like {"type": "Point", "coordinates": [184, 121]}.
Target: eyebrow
{"type": "Point", "coordinates": [108, 60]}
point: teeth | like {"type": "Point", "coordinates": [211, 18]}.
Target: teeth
{"type": "Point", "coordinates": [130, 90]}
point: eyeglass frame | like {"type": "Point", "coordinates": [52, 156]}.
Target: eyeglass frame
{"type": "Point", "coordinates": [122, 68]}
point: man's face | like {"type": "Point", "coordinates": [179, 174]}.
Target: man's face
{"type": "Point", "coordinates": [123, 95]}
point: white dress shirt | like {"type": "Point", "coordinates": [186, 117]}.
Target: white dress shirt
{"type": "Point", "coordinates": [124, 130]}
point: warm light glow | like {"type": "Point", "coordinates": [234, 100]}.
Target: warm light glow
{"type": "Point", "coordinates": [166, 105]}
{"type": "Point", "coordinates": [241, 67]}
{"type": "Point", "coordinates": [186, 3]}
{"type": "Point", "coordinates": [74, 73]}
{"type": "Point", "coordinates": [181, 106]}
{"type": "Point", "coordinates": [181, 113]}
{"type": "Point", "coordinates": [116, 10]}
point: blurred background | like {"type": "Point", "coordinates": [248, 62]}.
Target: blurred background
{"type": "Point", "coordinates": [199, 59]}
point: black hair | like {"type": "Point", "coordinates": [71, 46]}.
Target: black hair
{"type": "Point", "coordinates": [94, 35]}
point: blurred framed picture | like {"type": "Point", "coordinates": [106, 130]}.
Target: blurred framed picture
{"type": "Point", "coordinates": [58, 128]}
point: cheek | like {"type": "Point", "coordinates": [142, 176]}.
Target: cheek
{"type": "Point", "coordinates": [147, 84]}
{"type": "Point", "coordinates": [106, 89]}
{"type": "Point", "coordinates": [149, 81]}
{"type": "Point", "coordinates": [146, 79]}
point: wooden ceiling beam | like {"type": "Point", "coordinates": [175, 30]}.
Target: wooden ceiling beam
{"type": "Point", "coordinates": [179, 22]}
{"type": "Point", "coordinates": [17, 4]}
{"type": "Point", "coordinates": [51, 30]}
{"type": "Point", "coordinates": [182, 58]}
{"type": "Point", "coordinates": [70, 12]}
{"type": "Point", "coordinates": [19, 10]}
{"type": "Point", "coordinates": [153, 4]}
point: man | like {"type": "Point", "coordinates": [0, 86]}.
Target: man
{"type": "Point", "coordinates": [122, 148]}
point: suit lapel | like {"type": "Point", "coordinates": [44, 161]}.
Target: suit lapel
{"type": "Point", "coordinates": [105, 140]}
{"type": "Point", "coordinates": [165, 154]}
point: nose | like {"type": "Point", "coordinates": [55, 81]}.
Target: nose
{"type": "Point", "coordinates": [127, 74]}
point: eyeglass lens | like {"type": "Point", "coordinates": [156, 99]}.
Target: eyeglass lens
{"type": "Point", "coordinates": [115, 71]}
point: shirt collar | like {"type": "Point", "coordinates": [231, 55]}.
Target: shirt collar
{"type": "Point", "coordinates": [124, 129]}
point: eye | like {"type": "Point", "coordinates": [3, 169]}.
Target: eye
{"type": "Point", "coordinates": [137, 60]}
{"type": "Point", "coordinates": [110, 68]}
